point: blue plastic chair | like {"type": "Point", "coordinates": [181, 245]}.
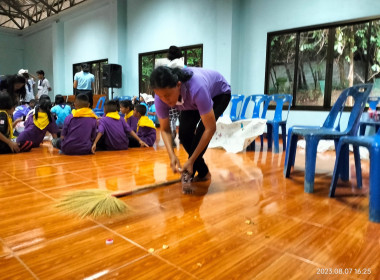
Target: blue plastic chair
{"type": "Point", "coordinates": [125, 97]}
{"type": "Point", "coordinates": [98, 110]}
{"type": "Point", "coordinates": [372, 101]}
{"type": "Point", "coordinates": [330, 131]}
{"type": "Point", "coordinates": [236, 99]}
{"type": "Point", "coordinates": [278, 121]}
{"type": "Point", "coordinates": [372, 143]}
{"type": "Point", "coordinates": [259, 101]}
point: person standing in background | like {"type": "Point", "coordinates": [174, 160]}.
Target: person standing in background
{"type": "Point", "coordinates": [43, 84]}
{"type": "Point", "coordinates": [84, 82]}
{"type": "Point", "coordinates": [29, 85]}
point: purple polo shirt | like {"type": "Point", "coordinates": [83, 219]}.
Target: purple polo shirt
{"type": "Point", "coordinates": [132, 122]}
{"type": "Point", "coordinates": [34, 134]}
{"type": "Point", "coordinates": [79, 135]}
{"type": "Point", "coordinates": [147, 134]}
{"type": "Point", "coordinates": [197, 93]}
{"type": "Point", "coordinates": [115, 133]}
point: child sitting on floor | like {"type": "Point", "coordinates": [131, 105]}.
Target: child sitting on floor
{"type": "Point", "coordinates": [37, 125]}
{"type": "Point", "coordinates": [146, 130]}
{"type": "Point", "coordinates": [61, 110]}
{"type": "Point", "coordinates": [22, 111]}
{"type": "Point", "coordinates": [6, 128]}
{"type": "Point", "coordinates": [113, 130]}
{"type": "Point", "coordinates": [126, 108]}
{"type": "Point", "coordinates": [19, 116]}
{"type": "Point", "coordinates": [79, 129]}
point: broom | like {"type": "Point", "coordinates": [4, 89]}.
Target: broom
{"type": "Point", "coordinates": [96, 203]}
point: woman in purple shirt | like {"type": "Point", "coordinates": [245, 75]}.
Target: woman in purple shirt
{"type": "Point", "coordinates": [201, 95]}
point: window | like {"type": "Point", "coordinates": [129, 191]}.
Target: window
{"type": "Point", "coordinates": [316, 64]}
{"type": "Point", "coordinates": [96, 68]}
{"type": "Point", "coordinates": [193, 57]}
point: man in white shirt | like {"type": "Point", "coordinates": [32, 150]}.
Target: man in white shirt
{"type": "Point", "coordinates": [42, 84]}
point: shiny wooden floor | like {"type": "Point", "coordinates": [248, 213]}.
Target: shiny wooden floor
{"type": "Point", "coordinates": [249, 223]}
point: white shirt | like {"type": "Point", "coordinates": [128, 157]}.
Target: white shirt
{"type": "Point", "coordinates": [29, 93]}
{"type": "Point", "coordinates": [43, 86]}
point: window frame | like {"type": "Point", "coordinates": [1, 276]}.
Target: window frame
{"type": "Point", "coordinates": [329, 59]}
{"type": "Point", "coordinates": [165, 51]}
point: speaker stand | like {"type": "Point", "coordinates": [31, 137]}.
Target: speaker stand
{"type": "Point", "coordinates": [111, 93]}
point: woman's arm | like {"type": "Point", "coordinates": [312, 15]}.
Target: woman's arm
{"type": "Point", "coordinates": [209, 123]}
{"type": "Point", "coordinates": [167, 137]}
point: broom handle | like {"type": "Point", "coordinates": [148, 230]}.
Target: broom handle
{"type": "Point", "coordinates": [148, 187]}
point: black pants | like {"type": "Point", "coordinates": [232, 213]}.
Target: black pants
{"type": "Point", "coordinates": [88, 93]}
{"type": "Point", "coordinates": [190, 134]}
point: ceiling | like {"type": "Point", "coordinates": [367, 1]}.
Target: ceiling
{"type": "Point", "coordinates": [20, 14]}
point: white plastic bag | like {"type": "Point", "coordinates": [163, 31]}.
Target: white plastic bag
{"type": "Point", "coordinates": [235, 137]}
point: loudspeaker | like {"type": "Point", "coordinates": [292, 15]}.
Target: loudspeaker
{"type": "Point", "coordinates": [112, 75]}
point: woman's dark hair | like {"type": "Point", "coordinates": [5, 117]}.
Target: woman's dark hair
{"type": "Point", "coordinates": [127, 104]}
{"type": "Point", "coordinates": [45, 105]}
{"type": "Point", "coordinates": [174, 52]}
{"type": "Point", "coordinates": [41, 72]}
{"type": "Point", "coordinates": [8, 82]}
{"type": "Point", "coordinates": [6, 102]}
{"type": "Point", "coordinates": [59, 100]}
{"type": "Point", "coordinates": [165, 77]}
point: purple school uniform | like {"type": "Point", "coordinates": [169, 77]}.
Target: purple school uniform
{"type": "Point", "coordinates": [115, 133]}
{"type": "Point", "coordinates": [79, 134]}
{"type": "Point", "coordinates": [147, 134]}
{"type": "Point", "coordinates": [21, 111]}
{"type": "Point", "coordinates": [132, 122]}
{"type": "Point", "coordinates": [197, 93]}
{"type": "Point", "coordinates": [34, 134]}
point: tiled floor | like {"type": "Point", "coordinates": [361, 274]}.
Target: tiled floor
{"type": "Point", "coordinates": [249, 223]}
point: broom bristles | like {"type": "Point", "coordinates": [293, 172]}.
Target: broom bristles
{"type": "Point", "coordinates": [96, 202]}
{"type": "Point", "coordinates": [93, 203]}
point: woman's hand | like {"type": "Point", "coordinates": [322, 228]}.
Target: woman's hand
{"type": "Point", "coordinates": [175, 164]}
{"type": "Point", "coordinates": [188, 167]}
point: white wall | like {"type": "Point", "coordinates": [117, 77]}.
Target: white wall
{"type": "Point", "coordinates": [11, 52]}
{"type": "Point", "coordinates": [155, 25]}
{"type": "Point", "coordinates": [90, 36]}
{"type": "Point", "coordinates": [38, 54]}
